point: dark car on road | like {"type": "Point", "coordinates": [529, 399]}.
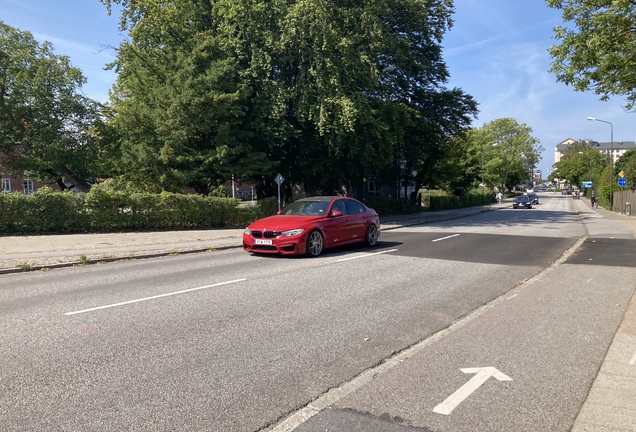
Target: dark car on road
{"type": "Point", "coordinates": [522, 201]}
{"type": "Point", "coordinates": [534, 198]}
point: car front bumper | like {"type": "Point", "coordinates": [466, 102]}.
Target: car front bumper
{"type": "Point", "coordinates": [280, 245]}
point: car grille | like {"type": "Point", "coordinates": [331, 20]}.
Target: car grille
{"type": "Point", "coordinates": [265, 234]}
{"type": "Point", "coordinates": [264, 247]}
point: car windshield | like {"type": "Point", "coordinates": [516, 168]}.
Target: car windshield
{"type": "Point", "coordinates": [306, 208]}
{"type": "Point", "coordinates": [522, 198]}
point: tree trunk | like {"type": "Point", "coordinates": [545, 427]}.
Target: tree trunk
{"type": "Point", "coordinates": [77, 182]}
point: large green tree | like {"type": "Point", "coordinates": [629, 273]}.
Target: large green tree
{"type": "Point", "coordinates": [627, 164]}
{"type": "Point", "coordinates": [47, 126]}
{"type": "Point", "coordinates": [581, 161]}
{"type": "Point", "coordinates": [596, 47]}
{"type": "Point", "coordinates": [325, 92]}
{"type": "Point", "coordinates": [512, 152]}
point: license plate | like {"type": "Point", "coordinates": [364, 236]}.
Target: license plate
{"type": "Point", "coordinates": [262, 242]}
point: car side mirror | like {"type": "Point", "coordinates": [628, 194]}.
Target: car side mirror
{"type": "Point", "coordinates": [335, 213]}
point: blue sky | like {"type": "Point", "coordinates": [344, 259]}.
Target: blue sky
{"type": "Point", "coordinates": [496, 51]}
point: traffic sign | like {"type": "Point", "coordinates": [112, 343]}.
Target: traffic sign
{"type": "Point", "coordinates": [279, 179]}
{"type": "Point", "coordinates": [622, 182]}
{"type": "Point", "coordinates": [621, 174]}
{"type": "Point", "coordinates": [587, 185]}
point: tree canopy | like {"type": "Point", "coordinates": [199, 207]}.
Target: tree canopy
{"type": "Point", "coordinates": [597, 51]}
{"type": "Point", "coordinates": [581, 161]}
{"type": "Point", "coordinates": [511, 152]}
{"type": "Point", "coordinates": [325, 92]}
{"type": "Point", "coordinates": [627, 164]}
{"type": "Point", "coordinates": [46, 123]}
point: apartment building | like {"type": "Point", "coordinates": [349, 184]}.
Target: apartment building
{"type": "Point", "coordinates": [615, 149]}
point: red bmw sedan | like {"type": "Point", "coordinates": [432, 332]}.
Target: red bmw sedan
{"type": "Point", "coordinates": [310, 225]}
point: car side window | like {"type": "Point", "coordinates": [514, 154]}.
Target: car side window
{"type": "Point", "coordinates": [353, 207]}
{"type": "Point", "coordinates": [340, 206]}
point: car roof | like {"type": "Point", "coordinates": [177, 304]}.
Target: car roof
{"type": "Point", "coordinates": [320, 198]}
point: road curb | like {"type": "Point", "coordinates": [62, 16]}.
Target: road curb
{"type": "Point", "coordinates": [113, 259]}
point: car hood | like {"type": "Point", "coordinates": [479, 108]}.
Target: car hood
{"type": "Point", "coordinates": [282, 223]}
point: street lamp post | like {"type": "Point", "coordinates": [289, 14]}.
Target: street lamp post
{"type": "Point", "coordinates": [611, 156]}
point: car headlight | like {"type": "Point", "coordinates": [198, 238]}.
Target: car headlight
{"type": "Point", "coordinates": [247, 231]}
{"type": "Point", "coordinates": [293, 232]}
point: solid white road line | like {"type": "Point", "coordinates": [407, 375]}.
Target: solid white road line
{"type": "Point", "coordinates": [445, 238]}
{"type": "Point", "coordinates": [154, 297]}
{"type": "Point", "coordinates": [633, 360]}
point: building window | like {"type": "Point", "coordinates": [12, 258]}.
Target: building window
{"type": "Point", "coordinates": [28, 186]}
{"type": "Point", "coordinates": [6, 185]}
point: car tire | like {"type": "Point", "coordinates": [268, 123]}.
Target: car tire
{"type": "Point", "coordinates": [371, 237]}
{"type": "Point", "coordinates": [315, 244]}
{"type": "Point", "coordinates": [530, 206]}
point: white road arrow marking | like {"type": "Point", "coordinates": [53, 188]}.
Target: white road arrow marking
{"type": "Point", "coordinates": [467, 389]}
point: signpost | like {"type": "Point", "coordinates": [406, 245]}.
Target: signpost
{"type": "Point", "coordinates": [621, 181]}
{"type": "Point", "coordinates": [279, 180]}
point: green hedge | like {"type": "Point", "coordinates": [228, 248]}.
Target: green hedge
{"type": "Point", "coordinates": [390, 206]}
{"type": "Point", "coordinates": [455, 202]}
{"type": "Point", "coordinates": [105, 210]}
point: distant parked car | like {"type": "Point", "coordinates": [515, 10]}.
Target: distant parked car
{"type": "Point", "coordinates": [522, 201]}
{"type": "Point", "coordinates": [566, 192]}
{"type": "Point", "coordinates": [534, 198]}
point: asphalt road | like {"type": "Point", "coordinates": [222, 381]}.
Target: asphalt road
{"type": "Point", "coordinates": [225, 341]}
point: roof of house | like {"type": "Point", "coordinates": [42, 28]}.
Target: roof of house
{"type": "Point", "coordinates": [608, 145]}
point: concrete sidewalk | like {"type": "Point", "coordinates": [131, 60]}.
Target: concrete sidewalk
{"type": "Point", "coordinates": [611, 402]}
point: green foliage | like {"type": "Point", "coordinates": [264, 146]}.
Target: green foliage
{"type": "Point", "coordinates": [454, 201]}
{"type": "Point", "coordinates": [507, 150]}
{"type": "Point", "coordinates": [46, 124]}
{"type": "Point", "coordinates": [627, 164]}
{"type": "Point", "coordinates": [630, 173]}
{"type": "Point", "coordinates": [107, 210]}
{"type": "Point", "coordinates": [326, 93]}
{"type": "Point", "coordinates": [596, 50]}
{"type": "Point", "coordinates": [390, 206]}
{"type": "Point", "coordinates": [581, 161]}
{"type": "Point", "coordinates": [42, 212]}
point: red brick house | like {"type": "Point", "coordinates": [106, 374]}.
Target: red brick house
{"type": "Point", "coordinates": [23, 184]}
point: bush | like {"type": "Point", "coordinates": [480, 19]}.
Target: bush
{"type": "Point", "coordinates": [455, 202]}
{"type": "Point", "coordinates": [390, 206]}
{"type": "Point", "coordinates": [105, 209]}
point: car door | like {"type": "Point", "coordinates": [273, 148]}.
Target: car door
{"type": "Point", "coordinates": [339, 231]}
{"type": "Point", "coordinates": [357, 222]}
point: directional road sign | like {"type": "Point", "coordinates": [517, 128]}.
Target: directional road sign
{"type": "Point", "coordinates": [622, 182]}
{"type": "Point", "coordinates": [587, 185]}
